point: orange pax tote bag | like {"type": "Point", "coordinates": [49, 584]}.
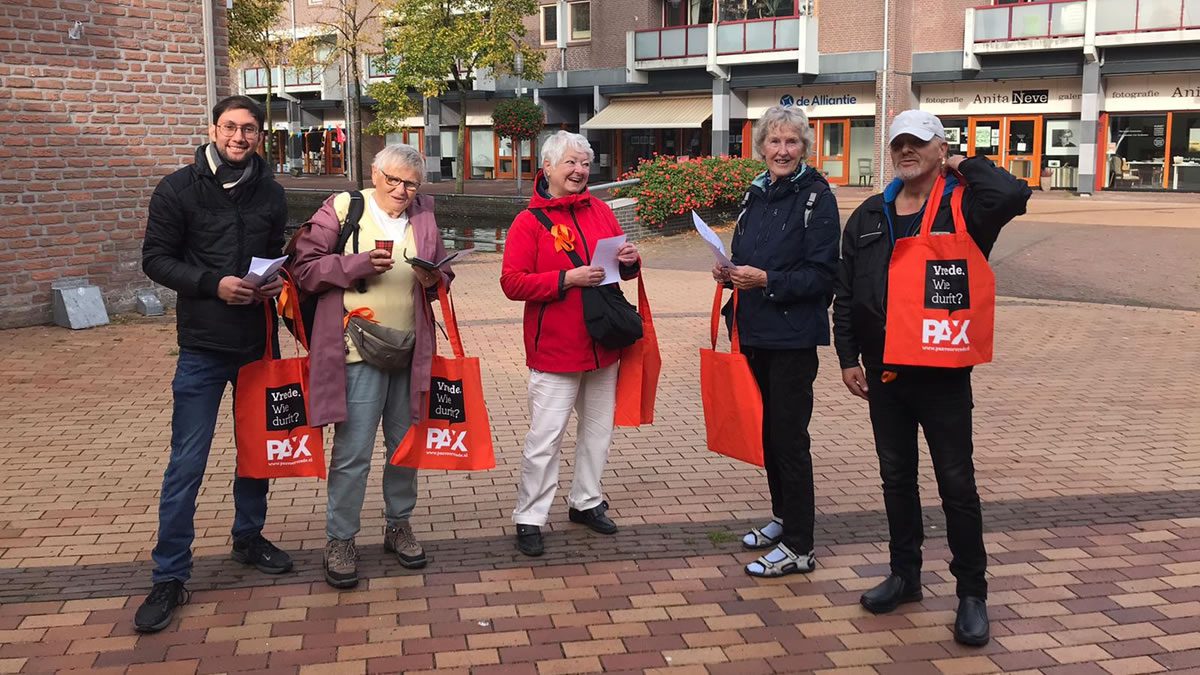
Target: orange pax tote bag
{"type": "Point", "coordinates": [455, 434]}
{"type": "Point", "coordinates": [637, 376]}
{"type": "Point", "coordinates": [732, 402]}
{"type": "Point", "coordinates": [270, 411]}
{"type": "Point", "coordinates": [941, 302]}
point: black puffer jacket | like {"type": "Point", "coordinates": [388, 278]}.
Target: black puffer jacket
{"type": "Point", "coordinates": [992, 198]}
{"type": "Point", "coordinates": [799, 254]}
{"type": "Point", "coordinates": [197, 233]}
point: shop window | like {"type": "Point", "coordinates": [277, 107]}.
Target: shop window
{"type": "Point", "coordinates": [1185, 152]}
{"type": "Point", "coordinates": [1137, 146]}
{"type": "Point", "coordinates": [1061, 153]}
{"type": "Point", "coordinates": [956, 134]}
{"type": "Point", "coordinates": [449, 153]}
{"type": "Point", "coordinates": [736, 137]}
{"type": "Point", "coordinates": [581, 20]}
{"type": "Point", "coordinates": [483, 153]}
{"type": "Point", "coordinates": [863, 170]}
{"type": "Point", "coordinates": [636, 145]}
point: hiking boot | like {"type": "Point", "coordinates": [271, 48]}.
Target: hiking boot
{"type": "Point", "coordinates": [399, 539]}
{"type": "Point", "coordinates": [341, 563]}
{"type": "Point", "coordinates": [159, 607]}
{"type": "Point", "coordinates": [257, 551]}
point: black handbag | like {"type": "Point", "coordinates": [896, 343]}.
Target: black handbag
{"type": "Point", "coordinates": [610, 319]}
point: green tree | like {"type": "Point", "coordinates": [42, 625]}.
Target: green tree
{"type": "Point", "coordinates": [438, 46]}
{"type": "Point", "coordinates": [253, 40]}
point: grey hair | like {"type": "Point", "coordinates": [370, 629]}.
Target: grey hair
{"type": "Point", "coordinates": [400, 156]}
{"type": "Point", "coordinates": [557, 145]}
{"type": "Point", "coordinates": [790, 117]}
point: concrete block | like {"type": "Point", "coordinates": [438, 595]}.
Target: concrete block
{"type": "Point", "coordinates": [77, 304]}
{"type": "Point", "coordinates": [148, 303]}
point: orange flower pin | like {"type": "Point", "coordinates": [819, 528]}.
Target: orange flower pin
{"type": "Point", "coordinates": [564, 238]}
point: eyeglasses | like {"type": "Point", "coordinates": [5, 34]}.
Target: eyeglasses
{"type": "Point", "coordinates": [230, 129]}
{"type": "Point", "coordinates": [395, 181]}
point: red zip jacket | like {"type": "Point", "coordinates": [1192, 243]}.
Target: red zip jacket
{"type": "Point", "coordinates": [556, 339]}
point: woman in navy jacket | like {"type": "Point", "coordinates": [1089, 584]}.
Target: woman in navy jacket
{"type": "Point", "coordinates": [785, 252]}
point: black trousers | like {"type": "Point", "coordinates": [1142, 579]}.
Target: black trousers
{"type": "Point", "coordinates": [785, 379]}
{"type": "Point", "coordinates": [939, 400]}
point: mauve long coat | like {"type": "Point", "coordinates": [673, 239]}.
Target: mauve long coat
{"type": "Point", "coordinates": [318, 269]}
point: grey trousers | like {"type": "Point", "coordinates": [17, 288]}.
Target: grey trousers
{"type": "Point", "coordinates": [371, 395]}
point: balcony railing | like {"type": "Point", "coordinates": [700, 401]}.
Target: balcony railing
{"type": "Point", "coordinates": [758, 35]}
{"type": "Point", "coordinates": [676, 42]}
{"type": "Point", "coordinates": [254, 78]}
{"type": "Point", "coordinates": [1131, 16]}
{"type": "Point", "coordinates": [1032, 20]}
{"type": "Point", "coordinates": [305, 77]}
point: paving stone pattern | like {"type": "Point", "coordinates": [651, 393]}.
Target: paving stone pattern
{"type": "Point", "coordinates": [1088, 456]}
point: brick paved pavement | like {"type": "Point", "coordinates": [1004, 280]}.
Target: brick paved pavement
{"type": "Point", "coordinates": [1088, 454]}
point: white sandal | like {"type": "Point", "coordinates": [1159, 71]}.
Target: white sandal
{"type": "Point", "coordinates": [764, 537]}
{"type": "Point", "coordinates": [781, 561]}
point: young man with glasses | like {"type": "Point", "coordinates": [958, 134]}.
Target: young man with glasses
{"type": "Point", "coordinates": [205, 222]}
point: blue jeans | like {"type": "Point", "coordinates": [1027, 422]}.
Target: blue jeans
{"type": "Point", "coordinates": [200, 379]}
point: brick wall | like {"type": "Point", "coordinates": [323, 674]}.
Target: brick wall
{"type": "Point", "coordinates": [849, 26]}
{"type": "Point", "coordinates": [940, 26]}
{"type": "Point", "coordinates": [92, 125]}
{"type": "Point", "coordinates": [611, 19]}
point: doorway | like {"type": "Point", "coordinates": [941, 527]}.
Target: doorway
{"type": "Point", "coordinates": [833, 142]}
{"type": "Point", "coordinates": [1012, 143]}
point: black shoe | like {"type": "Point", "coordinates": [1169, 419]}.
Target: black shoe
{"type": "Point", "coordinates": [529, 540]}
{"type": "Point", "coordinates": [594, 518]}
{"type": "Point", "coordinates": [257, 551]}
{"type": "Point", "coordinates": [971, 624]}
{"type": "Point", "coordinates": [159, 607]}
{"type": "Point", "coordinates": [889, 595]}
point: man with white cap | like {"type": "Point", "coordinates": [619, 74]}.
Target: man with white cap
{"type": "Point", "coordinates": [901, 398]}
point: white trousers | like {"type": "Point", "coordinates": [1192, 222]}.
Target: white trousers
{"type": "Point", "coordinates": [593, 395]}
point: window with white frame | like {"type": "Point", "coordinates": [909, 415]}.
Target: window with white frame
{"type": "Point", "coordinates": [579, 22]}
{"type": "Point", "coordinates": [580, 14]}
{"type": "Point", "coordinates": [549, 23]}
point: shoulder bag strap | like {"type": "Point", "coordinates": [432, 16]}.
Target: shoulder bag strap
{"type": "Point", "coordinates": [932, 204]}
{"type": "Point", "coordinates": [545, 221]}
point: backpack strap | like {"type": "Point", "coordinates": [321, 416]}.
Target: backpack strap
{"type": "Point", "coordinates": [808, 206]}
{"type": "Point", "coordinates": [546, 223]}
{"type": "Point", "coordinates": [350, 230]}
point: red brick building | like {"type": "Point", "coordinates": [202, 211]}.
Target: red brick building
{"type": "Point", "coordinates": [103, 99]}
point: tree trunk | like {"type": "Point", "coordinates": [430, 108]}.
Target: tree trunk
{"type": "Point", "coordinates": [266, 130]}
{"type": "Point", "coordinates": [459, 185]}
{"type": "Point", "coordinates": [354, 121]}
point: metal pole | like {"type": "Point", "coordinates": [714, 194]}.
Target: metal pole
{"type": "Point", "coordinates": [883, 119]}
{"type": "Point", "coordinates": [518, 65]}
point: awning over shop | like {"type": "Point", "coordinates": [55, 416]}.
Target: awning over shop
{"type": "Point", "coordinates": [688, 112]}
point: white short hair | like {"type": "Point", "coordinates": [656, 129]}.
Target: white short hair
{"type": "Point", "coordinates": [399, 156]}
{"type": "Point", "coordinates": [557, 145]}
{"type": "Point", "coordinates": [789, 117]}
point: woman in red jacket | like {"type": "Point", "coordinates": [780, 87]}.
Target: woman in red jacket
{"type": "Point", "coordinates": [567, 369]}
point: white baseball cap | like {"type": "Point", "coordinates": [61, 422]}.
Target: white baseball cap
{"type": "Point", "coordinates": [918, 123]}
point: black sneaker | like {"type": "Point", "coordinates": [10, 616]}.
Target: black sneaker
{"type": "Point", "coordinates": [264, 555]}
{"type": "Point", "coordinates": [159, 607]}
{"type": "Point", "coordinates": [594, 518]}
{"type": "Point", "coordinates": [529, 540]}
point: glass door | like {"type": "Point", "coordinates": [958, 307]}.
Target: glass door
{"type": "Point", "coordinates": [833, 138]}
{"type": "Point", "coordinates": [1023, 157]}
{"type": "Point", "coordinates": [506, 163]}
{"type": "Point", "coordinates": [984, 138]}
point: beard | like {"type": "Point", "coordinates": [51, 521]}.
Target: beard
{"type": "Point", "coordinates": [908, 173]}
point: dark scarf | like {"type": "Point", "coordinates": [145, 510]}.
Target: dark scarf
{"type": "Point", "coordinates": [231, 177]}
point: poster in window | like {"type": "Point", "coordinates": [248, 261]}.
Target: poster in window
{"type": "Point", "coordinates": [953, 134]}
{"type": "Point", "coordinates": [1062, 137]}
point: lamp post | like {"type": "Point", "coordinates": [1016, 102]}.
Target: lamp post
{"type": "Point", "coordinates": [518, 66]}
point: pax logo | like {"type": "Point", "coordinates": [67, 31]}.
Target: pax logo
{"type": "Point", "coordinates": [284, 450]}
{"type": "Point", "coordinates": [938, 331]}
{"type": "Point", "coordinates": [440, 439]}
